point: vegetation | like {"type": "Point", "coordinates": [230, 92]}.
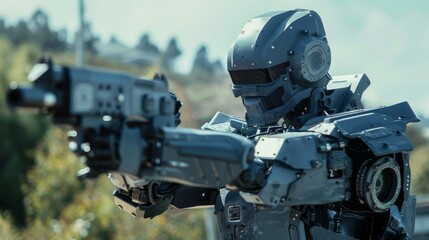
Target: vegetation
{"type": "Point", "coordinates": [419, 162]}
{"type": "Point", "coordinates": [20, 132]}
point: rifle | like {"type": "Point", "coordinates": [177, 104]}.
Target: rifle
{"type": "Point", "coordinates": [126, 126]}
{"type": "Point", "coordinates": [99, 105]}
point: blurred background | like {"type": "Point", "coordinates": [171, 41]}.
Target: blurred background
{"type": "Point", "coordinates": [188, 41]}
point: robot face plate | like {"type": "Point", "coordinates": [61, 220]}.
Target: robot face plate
{"type": "Point", "coordinates": [267, 103]}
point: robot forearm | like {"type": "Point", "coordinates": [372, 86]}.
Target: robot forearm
{"type": "Point", "coordinates": [183, 168]}
{"type": "Point", "coordinates": [186, 156]}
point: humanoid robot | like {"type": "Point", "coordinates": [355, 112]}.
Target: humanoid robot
{"type": "Point", "coordinates": [307, 162]}
{"type": "Point", "coordinates": [322, 167]}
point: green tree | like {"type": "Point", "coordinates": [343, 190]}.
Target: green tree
{"type": "Point", "coordinates": [35, 30]}
{"type": "Point", "coordinates": [43, 35]}
{"type": "Point", "coordinates": [20, 132]}
{"type": "Point", "coordinates": [202, 62]}
{"type": "Point", "coordinates": [145, 44]}
{"type": "Point", "coordinates": [170, 54]}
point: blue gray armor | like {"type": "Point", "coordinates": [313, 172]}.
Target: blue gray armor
{"type": "Point", "coordinates": [307, 162]}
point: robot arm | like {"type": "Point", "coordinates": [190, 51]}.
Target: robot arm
{"type": "Point", "coordinates": [189, 166]}
{"type": "Point", "coordinates": [186, 156]}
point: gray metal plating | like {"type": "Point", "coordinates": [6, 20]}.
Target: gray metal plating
{"type": "Point", "coordinates": [307, 162]}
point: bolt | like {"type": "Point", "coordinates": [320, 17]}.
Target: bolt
{"type": "Point", "coordinates": [347, 196]}
{"type": "Point", "coordinates": [354, 103]}
{"type": "Point", "coordinates": [120, 98]}
{"type": "Point", "coordinates": [318, 164]}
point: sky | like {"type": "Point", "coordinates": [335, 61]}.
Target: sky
{"type": "Point", "coordinates": [388, 40]}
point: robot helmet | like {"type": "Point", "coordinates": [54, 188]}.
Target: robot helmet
{"type": "Point", "coordinates": [276, 62]}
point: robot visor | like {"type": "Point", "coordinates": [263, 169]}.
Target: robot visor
{"type": "Point", "coordinates": [258, 76]}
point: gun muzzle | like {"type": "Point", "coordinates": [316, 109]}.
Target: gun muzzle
{"type": "Point", "coordinates": [30, 98]}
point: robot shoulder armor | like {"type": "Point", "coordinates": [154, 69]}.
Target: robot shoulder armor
{"type": "Point", "coordinates": [381, 129]}
{"type": "Point", "coordinates": [345, 92]}
{"type": "Point", "coordinates": [296, 149]}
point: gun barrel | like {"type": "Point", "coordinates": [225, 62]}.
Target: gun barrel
{"type": "Point", "coordinates": [30, 98]}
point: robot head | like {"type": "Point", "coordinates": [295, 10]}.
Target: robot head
{"type": "Point", "coordinates": [276, 62]}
